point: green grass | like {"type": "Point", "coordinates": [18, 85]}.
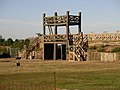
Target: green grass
{"type": "Point", "coordinates": [69, 75]}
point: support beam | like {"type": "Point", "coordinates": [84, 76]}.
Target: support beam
{"type": "Point", "coordinates": [43, 35]}
{"type": "Point", "coordinates": [43, 24]}
{"type": "Point", "coordinates": [55, 32]}
{"type": "Point", "coordinates": [55, 52]}
{"type": "Point", "coordinates": [79, 26]}
{"type": "Point", "coordinates": [61, 52]}
{"type": "Point", "coordinates": [67, 35]}
{"type": "Point", "coordinates": [55, 26]}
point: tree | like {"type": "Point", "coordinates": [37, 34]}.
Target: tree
{"type": "Point", "coordinates": [16, 44]}
{"type": "Point", "coordinates": [2, 42]}
{"type": "Point", "coordinates": [27, 41]}
{"type": "Point", "coordinates": [0, 36]}
{"type": "Point", "coordinates": [16, 40]}
{"type": "Point", "coordinates": [20, 43]}
{"type": "Point", "coordinates": [9, 42]}
{"type": "Point", "coordinates": [39, 34]}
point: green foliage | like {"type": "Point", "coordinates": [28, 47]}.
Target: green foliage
{"type": "Point", "coordinates": [26, 42]}
{"type": "Point", "coordinates": [116, 49]}
{"type": "Point", "coordinates": [9, 42]}
{"type": "Point", "coordinates": [100, 49]}
{"type": "Point", "coordinates": [39, 34]}
{"type": "Point", "coordinates": [102, 45]}
{"type": "Point", "coordinates": [4, 44]}
{"type": "Point", "coordinates": [20, 43]}
{"type": "Point", "coordinates": [92, 47]}
{"type": "Point", "coordinates": [3, 50]}
{"type": "Point", "coordinates": [2, 41]}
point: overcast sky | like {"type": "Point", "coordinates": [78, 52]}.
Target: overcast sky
{"type": "Point", "coordinates": [23, 18]}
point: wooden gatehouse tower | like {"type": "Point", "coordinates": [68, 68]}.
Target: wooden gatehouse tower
{"type": "Point", "coordinates": [66, 46]}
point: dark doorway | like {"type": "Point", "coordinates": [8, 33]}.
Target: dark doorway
{"type": "Point", "coordinates": [48, 51]}
{"type": "Point", "coordinates": [58, 51]}
{"type": "Point", "coordinates": [63, 52]}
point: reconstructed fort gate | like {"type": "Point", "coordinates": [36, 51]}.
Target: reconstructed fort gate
{"type": "Point", "coordinates": [63, 46]}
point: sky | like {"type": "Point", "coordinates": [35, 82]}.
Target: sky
{"type": "Point", "coordinates": [20, 19]}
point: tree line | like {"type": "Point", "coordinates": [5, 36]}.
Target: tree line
{"type": "Point", "coordinates": [10, 43]}
{"type": "Point", "coordinates": [17, 43]}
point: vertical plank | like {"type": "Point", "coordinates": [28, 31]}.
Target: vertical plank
{"type": "Point", "coordinates": [55, 26]}
{"type": "Point", "coordinates": [55, 33]}
{"type": "Point", "coordinates": [61, 53]}
{"type": "Point", "coordinates": [43, 35]}
{"type": "Point", "coordinates": [79, 26]}
{"type": "Point", "coordinates": [67, 35]}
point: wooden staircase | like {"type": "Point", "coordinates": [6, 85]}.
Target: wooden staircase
{"type": "Point", "coordinates": [79, 49]}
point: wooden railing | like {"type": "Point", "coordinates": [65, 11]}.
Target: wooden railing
{"type": "Point", "coordinates": [74, 19]}
{"type": "Point", "coordinates": [75, 38]}
{"type": "Point", "coordinates": [50, 38]}
{"type": "Point", "coordinates": [61, 20]}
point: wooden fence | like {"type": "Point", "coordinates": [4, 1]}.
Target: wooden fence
{"type": "Point", "coordinates": [102, 56]}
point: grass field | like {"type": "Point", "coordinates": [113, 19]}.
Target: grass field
{"type": "Point", "coordinates": [69, 75]}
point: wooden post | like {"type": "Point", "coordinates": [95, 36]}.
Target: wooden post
{"type": "Point", "coordinates": [55, 33]}
{"type": "Point", "coordinates": [61, 52]}
{"type": "Point", "coordinates": [79, 26]}
{"type": "Point", "coordinates": [55, 26]}
{"type": "Point", "coordinates": [54, 80]}
{"type": "Point", "coordinates": [43, 23]}
{"type": "Point", "coordinates": [54, 51]}
{"type": "Point", "coordinates": [67, 35]}
{"type": "Point", "coordinates": [43, 36]}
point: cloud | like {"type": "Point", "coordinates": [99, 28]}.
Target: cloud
{"type": "Point", "coordinates": [10, 22]}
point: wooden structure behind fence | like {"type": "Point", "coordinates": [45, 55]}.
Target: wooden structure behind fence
{"type": "Point", "coordinates": [104, 37]}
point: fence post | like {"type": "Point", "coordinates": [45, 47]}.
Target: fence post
{"type": "Point", "coordinates": [55, 80]}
